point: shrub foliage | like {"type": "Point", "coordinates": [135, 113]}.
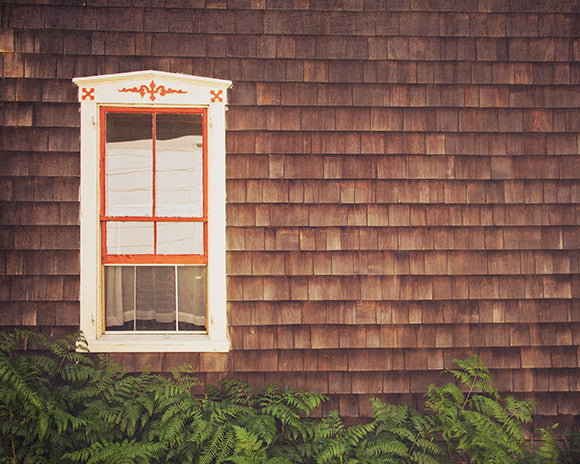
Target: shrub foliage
{"type": "Point", "coordinates": [60, 404]}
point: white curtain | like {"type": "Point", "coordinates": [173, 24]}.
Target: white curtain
{"type": "Point", "coordinates": [146, 295]}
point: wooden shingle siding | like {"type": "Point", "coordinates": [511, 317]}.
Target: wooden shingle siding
{"type": "Point", "coordinates": [402, 184]}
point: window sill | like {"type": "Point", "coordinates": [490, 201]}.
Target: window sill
{"type": "Point", "coordinates": [147, 343]}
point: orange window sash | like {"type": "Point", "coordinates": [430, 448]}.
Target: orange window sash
{"type": "Point", "coordinates": [154, 258]}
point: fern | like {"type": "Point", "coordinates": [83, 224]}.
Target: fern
{"type": "Point", "coordinates": [124, 452]}
{"type": "Point", "coordinates": [480, 426]}
{"type": "Point", "coordinates": [58, 404]}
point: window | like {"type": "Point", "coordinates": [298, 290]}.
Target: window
{"type": "Point", "coordinates": [153, 219]}
{"type": "Point", "coordinates": [153, 212]}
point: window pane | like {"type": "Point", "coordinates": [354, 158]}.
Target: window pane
{"type": "Point", "coordinates": [180, 238]}
{"type": "Point", "coordinates": [155, 300]}
{"type": "Point", "coordinates": [143, 298]}
{"type": "Point", "coordinates": [129, 164]}
{"type": "Point", "coordinates": [179, 165]}
{"type": "Point", "coordinates": [119, 297]}
{"type": "Point", "coordinates": [192, 297]}
{"type": "Point", "coordinates": [126, 238]}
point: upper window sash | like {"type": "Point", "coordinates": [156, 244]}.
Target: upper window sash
{"type": "Point", "coordinates": [160, 225]}
{"type": "Point", "coordinates": [155, 141]}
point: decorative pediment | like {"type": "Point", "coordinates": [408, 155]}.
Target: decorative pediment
{"type": "Point", "coordinates": [152, 87]}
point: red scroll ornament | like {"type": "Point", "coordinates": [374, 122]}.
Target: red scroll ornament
{"type": "Point", "coordinates": [152, 89]}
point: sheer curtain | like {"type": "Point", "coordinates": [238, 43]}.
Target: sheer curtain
{"type": "Point", "coordinates": [158, 298]}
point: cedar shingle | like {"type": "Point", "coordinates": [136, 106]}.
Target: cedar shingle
{"type": "Point", "coordinates": [7, 40]}
{"type": "Point", "coordinates": [324, 337]}
{"type": "Point", "coordinates": [339, 382]}
{"type": "Point", "coordinates": [345, 71]}
{"type": "Point", "coordinates": [396, 382]}
{"type": "Point", "coordinates": [286, 215]}
{"type": "Point", "coordinates": [371, 382]}
{"type": "Point", "coordinates": [534, 357]}
{"type": "Point", "coordinates": [330, 215]}
{"type": "Point", "coordinates": [370, 360]}
{"type": "Point", "coordinates": [397, 48]}
{"type": "Point", "coordinates": [267, 360]}
{"type": "Point", "coordinates": [538, 120]}
{"type": "Point", "coordinates": [352, 336]}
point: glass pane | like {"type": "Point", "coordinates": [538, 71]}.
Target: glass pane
{"type": "Point", "coordinates": [129, 164]}
{"type": "Point", "coordinates": [155, 301]}
{"type": "Point", "coordinates": [179, 165]}
{"type": "Point", "coordinates": [180, 238]}
{"type": "Point", "coordinates": [119, 297]}
{"type": "Point", "coordinates": [192, 297]}
{"type": "Point", "coordinates": [142, 298]}
{"type": "Point", "coordinates": [128, 238]}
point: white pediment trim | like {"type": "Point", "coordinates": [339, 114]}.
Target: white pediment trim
{"type": "Point", "coordinates": [151, 74]}
{"type": "Point", "coordinates": [152, 87]}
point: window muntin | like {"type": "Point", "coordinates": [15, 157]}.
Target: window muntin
{"type": "Point", "coordinates": [153, 211]}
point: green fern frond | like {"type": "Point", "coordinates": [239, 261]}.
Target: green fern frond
{"type": "Point", "coordinates": [227, 446]}
{"type": "Point", "coordinates": [264, 427]}
{"type": "Point", "coordinates": [13, 379]}
{"type": "Point", "coordinates": [334, 449]}
{"type": "Point", "coordinates": [126, 451]}
{"type": "Point", "coordinates": [246, 440]}
{"type": "Point", "coordinates": [360, 431]}
{"type": "Point", "coordinates": [388, 446]}
{"type": "Point", "coordinates": [424, 458]}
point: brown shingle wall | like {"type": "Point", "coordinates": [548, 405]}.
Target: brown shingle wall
{"type": "Point", "coordinates": [402, 183]}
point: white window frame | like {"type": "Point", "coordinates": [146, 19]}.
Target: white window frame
{"type": "Point", "coordinates": [151, 89]}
